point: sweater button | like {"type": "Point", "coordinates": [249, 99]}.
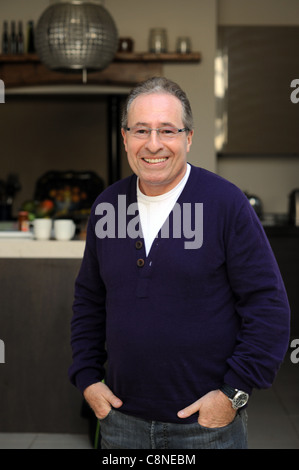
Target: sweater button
{"type": "Point", "coordinates": [140, 263]}
{"type": "Point", "coordinates": [138, 245]}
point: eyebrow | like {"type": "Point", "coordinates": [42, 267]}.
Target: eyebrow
{"type": "Point", "coordinates": [145, 124]}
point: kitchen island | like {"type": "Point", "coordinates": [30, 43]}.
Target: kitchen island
{"type": "Point", "coordinates": [36, 294]}
{"type": "Point", "coordinates": [30, 248]}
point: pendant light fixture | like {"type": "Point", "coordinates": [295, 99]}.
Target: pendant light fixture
{"type": "Point", "coordinates": [76, 35]}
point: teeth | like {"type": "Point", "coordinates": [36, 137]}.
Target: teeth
{"type": "Point", "coordinates": [155, 160]}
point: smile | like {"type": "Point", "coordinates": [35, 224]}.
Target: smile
{"type": "Point", "coordinates": [154, 160]}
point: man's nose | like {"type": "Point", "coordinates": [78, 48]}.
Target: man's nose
{"type": "Point", "coordinates": [154, 143]}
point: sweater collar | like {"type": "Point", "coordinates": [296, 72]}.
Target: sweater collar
{"type": "Point", "coordinates": [185, 194]}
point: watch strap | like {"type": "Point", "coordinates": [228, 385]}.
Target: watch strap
{"type": "Point", "coordinates": [229, 391]}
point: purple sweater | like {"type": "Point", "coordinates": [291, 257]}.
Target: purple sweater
{"type": "Point", "coordinates": [186, 320]}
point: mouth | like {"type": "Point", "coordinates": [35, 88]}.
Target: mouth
{"type": "Point", "coordinates": [154, 161]}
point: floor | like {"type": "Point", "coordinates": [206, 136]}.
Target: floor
{"type": "Point", "coordinates": [273, 421]}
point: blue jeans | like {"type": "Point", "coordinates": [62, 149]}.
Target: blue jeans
{"type": "Point", "coordinates": [121, 431]}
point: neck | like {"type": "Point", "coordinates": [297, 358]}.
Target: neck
{"type": "Point", "coordinates": [157, 189]}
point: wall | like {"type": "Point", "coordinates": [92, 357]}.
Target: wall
{"type": "Point", "coordinates": [271, 178]}
{"type": "Point", "coordinates": [195, 18]}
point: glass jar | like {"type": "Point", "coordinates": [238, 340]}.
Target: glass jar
{"type": "Point", "coordinates": [183, 45]}
{"type": "Point", "coordinates": [158, 40]}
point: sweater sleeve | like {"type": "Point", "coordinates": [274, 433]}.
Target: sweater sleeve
{"type": "Point", "coordinates": [89, 320]}
{"type": "Point", "coordinates": [261, 302]}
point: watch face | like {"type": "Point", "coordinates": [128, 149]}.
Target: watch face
{"type": "Point", "coordinates": [240, 399]}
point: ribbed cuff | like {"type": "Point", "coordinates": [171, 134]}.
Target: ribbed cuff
{"type": "Point", "coordinates": [235, 381]}
{"type": "Point", "coordinates": [87, 377]}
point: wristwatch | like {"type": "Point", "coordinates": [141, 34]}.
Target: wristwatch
{"type": "Point", "coordinates": [237, 397]}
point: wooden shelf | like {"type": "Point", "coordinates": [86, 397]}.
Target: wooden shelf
{"type": "Point", "coordinates": [21, 58]}
{"type": "Point", "coordinates": [194, 57]}
{"type": "Point", "coordinates": [126, 69]}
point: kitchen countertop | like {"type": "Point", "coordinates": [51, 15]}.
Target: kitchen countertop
{"type": "Point", "coordinates": [74, 249]}
{"type": "Point", "coordinates": [29, 248]}
{"type": "Point", "coordinates": [282, 230]}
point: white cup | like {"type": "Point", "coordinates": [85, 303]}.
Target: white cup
{"type": "Point", "coordinates": [42, 229]}
{"type": "Point", "coordinates": [64, 229]}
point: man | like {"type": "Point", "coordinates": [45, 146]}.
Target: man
{"type": "Point", "coordinates": [178, 290]}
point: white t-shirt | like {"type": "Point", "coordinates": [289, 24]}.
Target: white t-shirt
{"type": "Point", "coordinates": [154, 210]}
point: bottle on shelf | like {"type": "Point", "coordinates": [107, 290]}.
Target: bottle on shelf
{"type": "Point", "coordinates": [13, 38]}
{"type": "Point", "coordinates": [5, 38]}
{"type": "Point", "coordinates": [23, 221]}
{"type": "Point", "coordinates": [30, 38]}
{"type": "Point", "coordinates": [20, 39]}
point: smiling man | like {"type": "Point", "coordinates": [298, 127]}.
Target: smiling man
{"type": "Point", "coordinates": [157, 142]}
{"type": "Point", "coordinates": [181, 334]}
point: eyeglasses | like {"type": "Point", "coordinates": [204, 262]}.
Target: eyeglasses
{"type": "Point", "coordinates": [165, 133]}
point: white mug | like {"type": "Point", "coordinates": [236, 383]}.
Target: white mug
{"type": "Point", "coordinates": [64, 229]}
{"type": "Point", "coordinates": [42, 229]}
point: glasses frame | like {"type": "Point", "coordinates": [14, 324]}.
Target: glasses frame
{"type": "Point", "coordinates": [158, 129]}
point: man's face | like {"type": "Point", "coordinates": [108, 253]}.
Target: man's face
{"type": "Point", "coordinates": [159, 164]}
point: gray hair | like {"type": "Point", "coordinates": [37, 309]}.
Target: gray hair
{"type": "Point", "coordinates": [159, 85]}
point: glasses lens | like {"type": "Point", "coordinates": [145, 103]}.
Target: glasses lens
{"type": "Point", "coordinates": [140, 132]}
{"type": "Point", "coordinates": [168, 132]}
{"type": "Point", "coordinates": [164, 133]}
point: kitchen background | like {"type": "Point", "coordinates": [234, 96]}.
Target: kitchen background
{"type": "Point", "coordinates": [41, 134]}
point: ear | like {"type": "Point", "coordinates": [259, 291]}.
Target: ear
{"type": "Point", "coordinates": [189, 140]}
{"type": "Point", "coordinates": [124, 134]}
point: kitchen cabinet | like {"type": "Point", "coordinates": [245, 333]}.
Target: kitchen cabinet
{"type": "Point", "coordinates": [36, 298]}
{"type": "Point", "coordinates": [258, 66]}
{"type": "Point", "coordinates": [284, 241]}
